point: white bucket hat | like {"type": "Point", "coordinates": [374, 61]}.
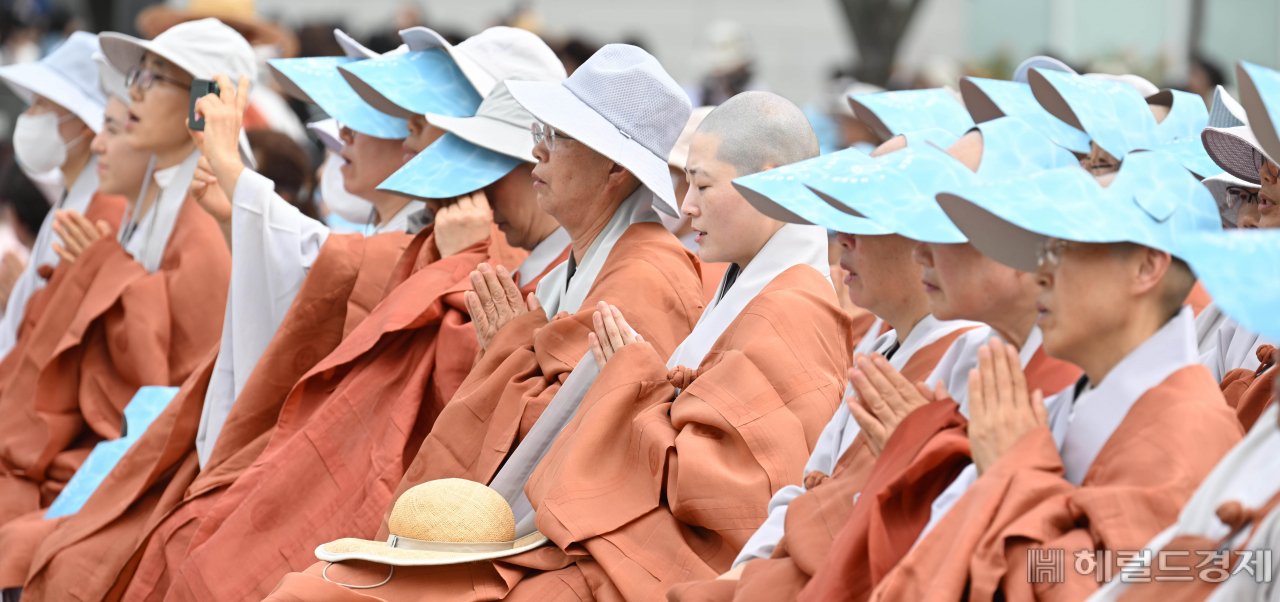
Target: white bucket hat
{"type": "Point", "coordinates": [446, 521]}
{"type": "Point", "coordinates": [1218, 185]}
{"type": "Point", "coordinates": [500, 124]}
{"type": "Point", "coordinates": [680, 152]}
{"type": "Point", "coordinates": [111, 80]}
{"type": "Point", "coordinates": [1230, 141]}
{"type": "Point", "coordinates": [68, 77]}
{"type": "Point", "coordinates": [493, 55]}
{"type": "Point", "coordinates": [622, 104]}
{"type": "Point", "coordinates": [203, 48]}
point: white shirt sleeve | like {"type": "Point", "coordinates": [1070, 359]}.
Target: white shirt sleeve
{"type": "Point", "coordinates": [273, 248]}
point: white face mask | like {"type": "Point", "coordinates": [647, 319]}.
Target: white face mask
{"type": "Point", "coordinates": [37, 142]}
{"type": "Point", "coordinates": [333, 192]}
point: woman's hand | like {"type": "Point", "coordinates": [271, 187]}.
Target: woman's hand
{"type": "Point", "coordinates": [462, 223]}
{"type": "Point", "coordinates": [884, 398]}
{"type": "Point", "coordinates": [494, 302]}
{"type": "Point", "coordinates": [77, 233]}
{"type": "Point", "coordinates": [612, 333]}
{"type": "Point", "coordinates": [1000, 409]}
{"type": "Point", "coordinates": [220, 141]}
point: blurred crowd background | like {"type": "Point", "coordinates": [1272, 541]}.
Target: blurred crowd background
{"type": "Point", "coordinates": [814, 52]}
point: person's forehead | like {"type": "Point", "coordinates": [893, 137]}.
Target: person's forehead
{"type": "Point", "coordinates": [159, 64]}
{"type": "Point", "coordinates": [703, 154]}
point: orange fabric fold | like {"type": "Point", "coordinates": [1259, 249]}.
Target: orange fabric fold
{"type": "Point", "coordinates": [337, 441]}
{"type": "Point", "coordinates": [645, 488]}
{"type": "Point", "coordinates": [815, 516]}
{"type": "Point", "coordinates": [100, 545]}
{"type": "Point", "coordinates": [1142, 476]}
{"type": "Point", "coordinates": [106, 327]}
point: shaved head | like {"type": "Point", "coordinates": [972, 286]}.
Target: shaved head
{"type": "Point", "coordinates": [759, 131]}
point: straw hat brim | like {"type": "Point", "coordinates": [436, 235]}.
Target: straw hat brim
{"type": "Point", "coordinates": [379, 552]}
{"type": "Point", "coordinates": [155, 20]}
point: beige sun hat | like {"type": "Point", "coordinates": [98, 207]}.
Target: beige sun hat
{"type": "Point", "coordinates": [446, 521]}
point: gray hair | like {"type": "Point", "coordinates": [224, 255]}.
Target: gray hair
{"type": "Point", "coordinates": [757, 129]}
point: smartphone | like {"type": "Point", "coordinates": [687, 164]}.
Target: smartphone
{"type": "Point", "coordinates": [199, 89]}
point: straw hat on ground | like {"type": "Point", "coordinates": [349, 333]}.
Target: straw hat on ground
{"type": "Point", "coordinates": [447, 521]}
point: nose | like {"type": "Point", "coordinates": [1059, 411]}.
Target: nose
{"type": "Point", "coordinates": [690, 205]}
{"type": "Point", "coordinates": [847, 241]}
{"type": "Point", "coordinates": [541, 152]}
{"type": "Point", "coordinates": [923, 254]}
{"type": "Point", "coordinates": [99, 143]}
{"type": "Point", "coordinates": [1248, 216]}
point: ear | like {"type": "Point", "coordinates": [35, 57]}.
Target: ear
{"type": "Point", "coordinates": [1150, 269]}
{"type": "Point", "coordinates": [618, 175]}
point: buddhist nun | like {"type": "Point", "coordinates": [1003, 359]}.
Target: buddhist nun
{"type": "Point", "coordinates": [391, 376]}
{"type": "Point", "coordinates": [933, 115]}
{"type": "Point", "coordinates": [1222, 545]}
{"type": "Point", "coordinates": [1234, 354]}
{"type": "Point", "coordinates": [728, 419]}
{"type": "Point", "coordinates": [777, 560]}
{"type": "Point", "coordinates": [121, 173]}
{"type": "Point", "coordinates": [1108, 463]}
{"type": "Point", "coordinates": [134, 309]}
{"type": "Point", "coordinates": [64, 112]}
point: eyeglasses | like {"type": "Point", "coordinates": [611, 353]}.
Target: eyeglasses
{"type": "Point", "coordinates": [1272, 168]}
{"type": "Point", "coordinates": [542, 132]}
{"type": "Point", "coordinates": [146, 78]}
{"type": "Point", "coordinates": [1050, 253]}
{"type": "Point", "coordinates": [1238, 196]}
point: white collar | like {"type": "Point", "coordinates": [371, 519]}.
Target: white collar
{"type": "Point", "coordinates": [557, 292]}
{"type": "Point", "coordinates": [791, 245]}
{"type": "Point", "coordinates": [165, 177]}
{"type": "Point", "coordinates": [542, 255]}
{"type": "Point", "coordinates": [400, 221]}
{"type": "Point", "coordinates": [1095, 415]}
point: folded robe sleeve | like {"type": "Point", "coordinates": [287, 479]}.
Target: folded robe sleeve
{"type": "Point", "coordinates": [660, 488]}
{"type": "Point", "coordinates": [1133, 490]}
{"type": "Point", "coordinates": [275, 245]}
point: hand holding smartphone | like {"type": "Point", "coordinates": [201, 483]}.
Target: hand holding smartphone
{"type": "Point", "coordinates": [199, 89]}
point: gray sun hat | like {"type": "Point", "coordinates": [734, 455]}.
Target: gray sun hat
{"type": "Point", "coordinates": [1218, 185]}
{"type": "Point", "coordinates": [622, 104]}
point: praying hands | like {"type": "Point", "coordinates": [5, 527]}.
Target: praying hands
{"type": "Point", "coordinates": [1000, 409]}
{"type": "Point", "coordinates": [884, 398]}
{"type": "Point", "coordinates": [612, 333]}
{"type": "Point", "coordinates": [494, 302]}
{"type": "Point", "coordinates": [77, 233]}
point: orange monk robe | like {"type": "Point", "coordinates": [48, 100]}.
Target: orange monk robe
{"type": "Point", "coordinates": [648, 275]}
{"type": "Point", "coordinates": [108, 328]}
{"type": "Point", "coordinates": [340, 437]}
{"type": "Point", "coordinates": [1250, 391]}
{"type": "Point", "coordinates": [641, 491]}
{"type": "Point", "coordinates": [813, 517]}
{"type": "Point", "coordinates": [84, 557]}
{"type": "Point", "coordinates": [1142, 473]}
{"type": "Point", "coordinates": [1198, 298]}
{"type": "Point", "coordinates": [712, 274]}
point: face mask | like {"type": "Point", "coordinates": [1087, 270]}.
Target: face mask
{"type": "Point", "coordinates": [37, 142]}
{"type": "Point", "coordinates": [334, 193]}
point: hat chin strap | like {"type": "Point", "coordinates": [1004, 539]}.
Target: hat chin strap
{"type": "Point", "coordinates": [453, 547]}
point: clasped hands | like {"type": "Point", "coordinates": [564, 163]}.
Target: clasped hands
{"type": "Point", "coordinates": [494, 302]}
{"type": "Point", "coordinates": [1001, 410]}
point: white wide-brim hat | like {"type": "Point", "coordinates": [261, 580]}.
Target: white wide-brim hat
{"type": "Point", "coordinates": [622, 104]}
{"type": "Point", "coordinates": [1218, 185]}
{"type": "Point", "coordinates": [1236, 150]}
{"type": "Point", "coordinates": [202, 48]}
{"type": "Point", "coordinates": [457, 521]}
{"type": "Point", "coordinates": [493, 55]}
{"type": "Point", "coordinates": [68, 77]}
{"type": "Point", "coordinates": [500, 125]}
